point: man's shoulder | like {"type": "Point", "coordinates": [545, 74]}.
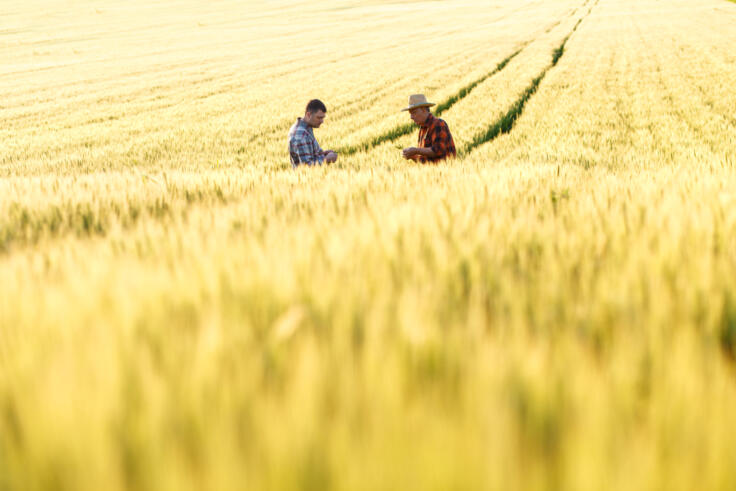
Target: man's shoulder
{"type": "Point", "coordinates": [298, 130]}
{"type": "Point", "coordinates": [440, 122]}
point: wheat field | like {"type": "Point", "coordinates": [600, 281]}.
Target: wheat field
{"type": "Point", "coordinates": [554, 309]}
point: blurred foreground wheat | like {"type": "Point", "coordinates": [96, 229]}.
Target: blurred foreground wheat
{"type": "Point", "coordinates": [556, 309]}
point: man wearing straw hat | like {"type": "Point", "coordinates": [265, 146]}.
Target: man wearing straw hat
{"type": "Point", "coordinates": [435, 140]}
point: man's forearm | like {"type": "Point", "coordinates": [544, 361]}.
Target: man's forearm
{"type": "Point", "coordinates": [426, 152]}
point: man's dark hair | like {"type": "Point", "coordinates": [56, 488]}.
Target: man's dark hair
{"type": "Point", "coordinates": [315, 105]}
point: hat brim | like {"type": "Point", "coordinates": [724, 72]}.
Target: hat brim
{"type": "Point", "coordinates": [423, 104]}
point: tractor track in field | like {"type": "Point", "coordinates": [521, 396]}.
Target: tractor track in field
{"type": "Point", "coordinates": [405, 129]}
{"type": "Point", "coordinates": [506, 122]}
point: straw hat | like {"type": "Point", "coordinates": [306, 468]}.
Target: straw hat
{"type": "Point", "coordinates": [418, 100]}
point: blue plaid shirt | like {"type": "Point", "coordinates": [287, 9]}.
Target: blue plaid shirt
{"type": "Point", "coordinates": [303, 147]}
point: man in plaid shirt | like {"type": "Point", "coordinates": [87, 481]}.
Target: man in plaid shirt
{"type": "Point", "coordinates": [303, 146]}
{"type": "Point", "coordinates": [435, 140]}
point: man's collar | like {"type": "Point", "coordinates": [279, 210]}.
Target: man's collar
{"type": "Point", "coordinates": [428, 121]}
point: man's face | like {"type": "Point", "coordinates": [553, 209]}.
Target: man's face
{"type": "Point", "coordinates": [315, 119]}
{"type": "Point", "coordinates": [419, 115]}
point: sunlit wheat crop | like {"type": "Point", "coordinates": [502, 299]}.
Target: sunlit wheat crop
{"type": "Point", "coordinates": [554, 309]}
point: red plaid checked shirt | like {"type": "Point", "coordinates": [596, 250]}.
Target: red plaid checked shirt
{"type": "Point", "coordinates": [435, 134]}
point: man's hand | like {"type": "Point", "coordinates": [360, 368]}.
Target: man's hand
{"type": "Point", "coordinates": [330, 156]}
{"type": "Point", "coordinates": [414, 153]}
{"type": "Point", "coordinates": [410, 153]}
